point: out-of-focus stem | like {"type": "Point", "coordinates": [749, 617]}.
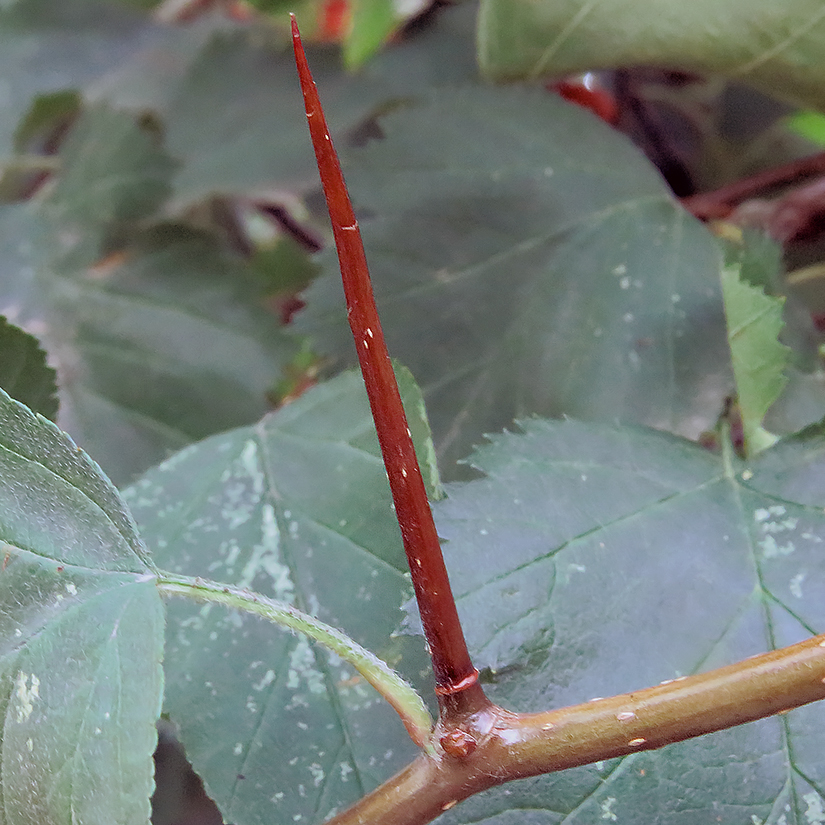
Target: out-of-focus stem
{"type": "Point", "coordinates": [721, 202]}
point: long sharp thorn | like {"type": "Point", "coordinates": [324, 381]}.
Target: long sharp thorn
{"type": "Point", "coordinates": [456, 678]}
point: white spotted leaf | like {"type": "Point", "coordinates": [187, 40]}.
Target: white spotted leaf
{"type": "Point", "coordinates": [591, 561]}
{"type": "Point", "coordinates": [81, 624]}
{"type": "Point", "coordinates": [296, 508]}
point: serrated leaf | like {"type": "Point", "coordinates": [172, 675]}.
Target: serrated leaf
{"type": "Point", "coordinates": [802, 400]}
{"type": "Point", "coordinates": [754, 321]}
{"type": "Point", "coordinates": [527, 259]}
{"type": "Point", "coordinates": [298, 508]}
{"type": "Point", "coordinates": [81, 624]}
{"type": "Point", "coordinates": [591, 561]}
{"type": "Point", "coordinates": [24, 373]}
{"type": "Point", "coordinates": [777, 49]}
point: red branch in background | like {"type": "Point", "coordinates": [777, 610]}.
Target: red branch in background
{"type": "Point", "coordinates": [456, 679]}
{"type": "Point", "coordinates": [721, 202]}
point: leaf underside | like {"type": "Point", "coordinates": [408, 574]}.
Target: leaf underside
{"type": "Point", "coordinates": [778, 48]}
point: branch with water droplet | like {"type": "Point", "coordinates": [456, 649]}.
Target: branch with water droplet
{"type": "Point", "coordinates": [402, 696]}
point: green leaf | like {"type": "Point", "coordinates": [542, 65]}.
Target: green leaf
{"type": "Point", "coordinates": [24, 373]}
{"type": "Point", "coordinates": [163, 343]}
{"type": "Point", "coordinates": [298, 508]}
{"type": "Point", "coordinates": [236, 122]}
{"type": "Point", "coordinates": [810, 125]}
{"type": "Point", "coordinates": [82, 628]}
{"type": "Point", "coordinates": [754, 321]}
{"type": "Point", "coordinates": [373, 21]}
{"type": "Point", "coordinates": [169, 346]}
{"type": "Point", "coordinates": [591, 561]}
{"type": "Point", "coordinates": [52, 47]}
{"type": "Point", "coordinates": [49, 114]}
{"type": "Point", "coordinates": [802, 401]}
{"type": "Point", "coordinates": [527, 259]}
{"type": "Point", "coordinates": [113, 172]}
{"type": "Point", "coordinates": [777, 49]}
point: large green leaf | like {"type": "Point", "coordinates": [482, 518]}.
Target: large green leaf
{"type": "Point", "coordinates": [297, 508]}
{"type": "Point", "coordinates": [527, 259]}
{"type": "Point", "coordinates": [167, 341]}
{"type": "Point", "coordinates": [165, 348]}
{"type": "Point", "coordinates": [112, 173]}
{"type": "Point", "coordinates": [776, 47]}
{"type": "Point", "coordinates": [591, 561]}
{"type": "Point", "coordinates": [81, 624]}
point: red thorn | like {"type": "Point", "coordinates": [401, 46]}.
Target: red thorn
{"type": "Point", "coordinates": [454, 671]}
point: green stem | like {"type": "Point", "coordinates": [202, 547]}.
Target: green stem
{"type": "Point", "coordinates": [518, 745]}
{"type": "Point", "coordinates": [402, 696]}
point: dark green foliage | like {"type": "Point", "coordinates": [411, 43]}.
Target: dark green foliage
{"type": "Point", "coordinates": [24, 373]}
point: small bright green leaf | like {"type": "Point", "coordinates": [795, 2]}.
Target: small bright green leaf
{"type": "Point", "coordinates": [754, 321]}
{"type": "Point", "coordinates": [777, 48]}
{"type": "Point", "coordinates": [802, 401]}
{"type": "Point", "coordinates": [81, 624]}
{"type": "Point", "coordinates": [527, 259]}
{"type": "Point", "coordinates": [810, 125]}
{"type": "Point", "coordinates": [24, 373]}
{"type": "Point", "coordinates": [591, 561]}
{"type": "Point", "coordinates": [297, 508]}
{"type": "Point", "coordinates": [372, 23]}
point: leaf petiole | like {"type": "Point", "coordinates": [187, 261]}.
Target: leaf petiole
{"type": "Point", "coordinates": [401, 695]}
